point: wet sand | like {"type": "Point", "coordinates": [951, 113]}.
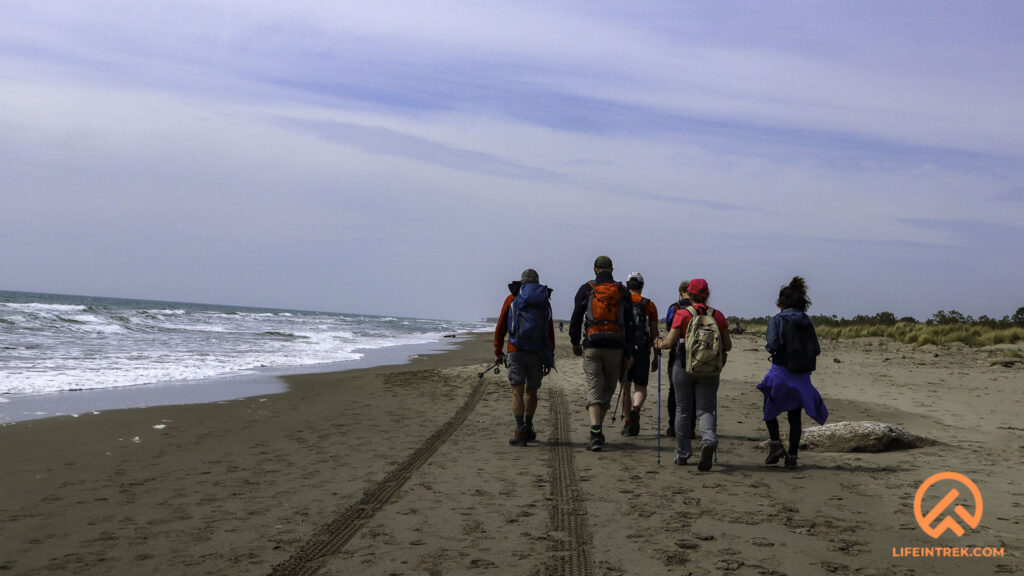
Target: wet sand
{"type": "Point", "coordinates": [407, 470]}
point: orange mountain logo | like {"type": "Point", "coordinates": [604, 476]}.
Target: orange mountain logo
{"type": "Point", "coordinates": [930, 522]}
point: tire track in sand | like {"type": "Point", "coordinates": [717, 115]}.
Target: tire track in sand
{"type": "Point", "coordinates": [331, 538]}
{"type": "Point", "coordinates": [569, 540]}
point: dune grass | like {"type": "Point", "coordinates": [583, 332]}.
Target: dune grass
{"type": "Point", "coordinates": [916, 333]}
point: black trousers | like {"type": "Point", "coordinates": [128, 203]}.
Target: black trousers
{"type": "Point", "coordinates": [794, 430]}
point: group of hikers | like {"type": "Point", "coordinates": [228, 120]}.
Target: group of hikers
{"type": "Point", "coordinates": [615, 330]}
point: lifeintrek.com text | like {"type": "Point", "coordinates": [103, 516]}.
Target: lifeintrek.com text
{"type": "Point", "coordinates": [947, 552]}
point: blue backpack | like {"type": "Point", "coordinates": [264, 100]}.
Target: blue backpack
{"type": "Point", "coordinates": [528, 320]}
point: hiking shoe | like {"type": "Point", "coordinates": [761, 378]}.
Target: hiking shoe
{"type": "Point", "coordinates": [519, 438]}
{"type": "Point", "coordinates": [531, 434]}
{"type": "Point", "coordinates": [634, 422]}
{"type": "Point", "coordinates": [680, 461]}
{"type": "Point", "coordinates": [790, 461]}
{"type": "Point", "coordinates": [707, 452]}
{"type": "Point", "coordinates": [626, 428]}
{"type": "Point", "coordinates": [775, 452]}
{"type": "Point", "coordinates": [596, 441]}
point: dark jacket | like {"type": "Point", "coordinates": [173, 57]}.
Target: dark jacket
{"type": "Point", "coordinates": [777, 323]}
{"type": "Point", "coordinates": [579, 312]}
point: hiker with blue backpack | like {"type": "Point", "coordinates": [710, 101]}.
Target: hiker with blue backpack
{"type": "Point", "coordinates": [601, 330]}
{"type": "Point", "coordinates": [794, 348]}
{"type": "Point", "coordinates": [526, 318]}
{"type": "Point", "coordinates": [706, 335]}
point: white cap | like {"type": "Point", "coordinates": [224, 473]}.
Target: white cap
{"type": "Point", "coordinates": [638, 276]}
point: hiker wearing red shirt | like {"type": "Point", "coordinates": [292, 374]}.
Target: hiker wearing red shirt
{"type": "Point", "coordinates": [706, 332]}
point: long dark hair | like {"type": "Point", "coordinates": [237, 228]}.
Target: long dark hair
{"type": "Point", "coordinates": [794, 295]}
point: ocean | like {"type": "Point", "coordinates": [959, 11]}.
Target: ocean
{"type": "Point", "coordinates": [54, 344]}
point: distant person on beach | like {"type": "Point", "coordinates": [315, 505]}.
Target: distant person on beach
{"type": "Point", "coordinates": [794, 348]}
{"type": "Point", "coordinates": [707, 343]}
{"type": "Point", "coordinates": [673, 356]}
{"type": "Point", "coordinates": [561, 326]}
{"type": "Point", "coordinates": [601, 330]}
{"type": "Point", "coordinates": [526, 318]}
{"type": "Point", "coordinates": [645, 322]}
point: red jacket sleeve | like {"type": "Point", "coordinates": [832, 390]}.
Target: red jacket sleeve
{"type": "Point", "coordinates": [502, 328]}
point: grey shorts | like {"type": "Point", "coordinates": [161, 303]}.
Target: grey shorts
{"type": "Point", "coordinates": [524, 368]}
{"type": "Point", "coordinates": [602, 368]}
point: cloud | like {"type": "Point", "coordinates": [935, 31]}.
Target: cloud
{"type": "Point", "coordinates": [314, 139]}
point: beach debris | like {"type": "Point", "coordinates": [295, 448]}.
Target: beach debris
{"type": "Point", "coordinates": [137, 440]}
{"type": "Point", "coordinates": [862, 437]}
{"type": "Point", "coordinates": [1006, 362]}
{"type": "Point", "coordinates": [159, 426]}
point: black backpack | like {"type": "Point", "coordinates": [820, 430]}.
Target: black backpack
{"type": "Point", "coordinates": [641, 324]}
{"type": "Point", "coordinates": [798, 350]}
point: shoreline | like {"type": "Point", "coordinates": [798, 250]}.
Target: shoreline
{"type": "Point", "coordinates": [259, 382]}
{"type": "Point", "coordinates": [406, 469]}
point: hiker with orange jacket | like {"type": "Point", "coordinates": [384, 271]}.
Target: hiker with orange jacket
{"type": "Point", "coordinates": [526, 318]}
{"type": "Point", "coordinates": [601, 330]}
{"type": "Point", "coordinates": [634, 383]}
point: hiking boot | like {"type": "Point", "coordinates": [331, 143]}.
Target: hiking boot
{"type": "Point", "coordinates": [596, 441]}
{"type": "Point", "coordinates": [790, 461]}
{"type": "Point", "coordinates": [707, 452]}
{"type": "Point", "coordinates": [519, 438]}
{"type": "Point", "coordinates": [531, 434]}
{"type": "Point", "coordinates": [626, 428]}
{"type": "Point", "coordinates": [634, 422]}
{"type": "Point", "coordinates": [775, 452]}
{"type": "Point", "coordinates": [680, 461]}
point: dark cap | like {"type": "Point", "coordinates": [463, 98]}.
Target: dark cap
{"type": "Point", "coordinates": [529, 277]}
{"type": "Point", "coordinates": [603, 263]}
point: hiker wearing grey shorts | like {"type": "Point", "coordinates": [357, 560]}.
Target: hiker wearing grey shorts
{"type": "Point", "coordinates": [606, 345]}
{"type": "Point", "coordinates": [526, 368]}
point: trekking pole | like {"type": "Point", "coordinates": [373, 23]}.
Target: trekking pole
{"type": "Point", "coordinates": [659, 408]}
{"type": "Point", "coordinates": [496, 368]}
{"type": "Point", "coordinates": [618, 401]}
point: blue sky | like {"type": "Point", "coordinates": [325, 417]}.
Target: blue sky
{"type": "Point", "coordinates": [411, 158]}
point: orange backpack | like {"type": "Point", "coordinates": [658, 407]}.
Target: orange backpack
{"type": "Point", "coordinates": [606, 312]}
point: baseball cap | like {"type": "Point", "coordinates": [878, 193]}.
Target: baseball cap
{"type": "Point", "coordinates": [698, 287]}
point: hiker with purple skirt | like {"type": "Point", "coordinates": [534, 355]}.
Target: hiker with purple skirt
{"type": "Point", "coordinates": [787, 387]}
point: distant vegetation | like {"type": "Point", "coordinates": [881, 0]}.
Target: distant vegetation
{"type": "Point", "coordinates": [944, 327]}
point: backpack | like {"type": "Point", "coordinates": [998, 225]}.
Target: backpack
{"type": "Point", "coordinates": [704, 354]}
{"type": "Point", "coordinates": [641, 324]}
{"type": "Point", "coordinates": [798, 354]}
{"type": "Point", "coordinates": [528, 320]}
{"type": "Point", "coordinates": [606, 312]}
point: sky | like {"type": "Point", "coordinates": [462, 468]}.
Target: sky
{"type": "Point", "coordinates": [412, 158]}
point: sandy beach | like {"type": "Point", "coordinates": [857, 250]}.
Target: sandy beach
{"type": "Point", "coordinates": [406, 470]}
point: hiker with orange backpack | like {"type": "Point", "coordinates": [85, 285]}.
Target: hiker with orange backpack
{"type": "Point", "coordinates": [601, 330]}
{"type": "Point", "coordinates": [634, 382]}
{"type": "Point", "coordinates": [526, 318]}
{"type": "Point", "coordinates": [707, 343]}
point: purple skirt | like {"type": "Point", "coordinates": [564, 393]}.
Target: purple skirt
{"type": "Point", "coordinates": [784, 391]}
